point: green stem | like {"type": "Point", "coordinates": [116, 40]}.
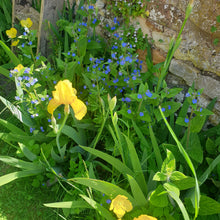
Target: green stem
{"type": "Point", "coordinates": [58, 135]}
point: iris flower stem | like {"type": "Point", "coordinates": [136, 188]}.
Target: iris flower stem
{"type": "Point", "coordinates": [58, 135]}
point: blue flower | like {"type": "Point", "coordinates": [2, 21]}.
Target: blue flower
{"type": "Point", "coordinates": [127, 99]}
{"type": "Point", "coordinates": [24, 33]}
{"type": "Point", "coordinates": [42, 99]}
{"type": "Point", "coordinates": [186, 120]}
{"type": "Point", "coordinates": [200, 109]}
{"type": "Point", "coordinates": [169, 107]}
{"type": "Point", "coordinates": [73, 54]}
{"type": "Point", "coordinates": [22, 45]}
{"type": "Point", "coordinates": [187, 94]}
{"type": "Point", "coordinates": [122, 62]}
{"type": "Point", "coordinates": [59, 116]}
{"type": "Point", "coordinates": [148, 93]}
{"type": "Point", "coordinates": [49, 120]}
{"type": "Point", "coordinates": [139, 96]}
{"type": "Point", "coordinates": [89, 40]}
{"type": "Point", "coordinates": [113, 55]}
{"type": "Point", "coordinates": [163, 109]}
{"type": "Point", "coordinates": [27, 70]}
{"type": "Point", "coordinates": [78, 62]}
{"type": "Point", "coordinates": [141, 114]}
{"type": "Point", "coordinates": [17, 98]}
{"type": "Point", "coordinates": [54, 82]}
{"type": "Point", "coordinates": [31, 130]}
{"type": "Point", "coordinates": [124, 44]}
{"type": "Point", "coordinates": [79, 29]}
{"type": "Point", "coordinates": [108, 201]}
{"type": "Point", "coordinates": [42, 129]}
{"type": "Point", "coordinates": [84, 87]}
{"type": "Point", "coordinates": [30, 43]}
{"type": "Point", "coordinates": [94, 21]}
{"type": "Point", "coordinates": [194, 101]}
{"type": "Point", "coordinates": [112, 28]}
{"type": "Point", "coordinates": [91, 7]}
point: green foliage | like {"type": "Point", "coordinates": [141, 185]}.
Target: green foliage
{"type": "Point", "coordinates": [125, 9]}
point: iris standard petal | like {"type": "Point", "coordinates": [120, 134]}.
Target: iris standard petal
{"type": "Point", "coordinates": [11, 33]}
{"type": "Point", "coordinates": [64, 93]}
{"type": "Point", "coordinates": [79, 109]}
{"type": "Point", "coordinates": [53, 104]}
{"type": "Point", "coordinates": [26, 23]}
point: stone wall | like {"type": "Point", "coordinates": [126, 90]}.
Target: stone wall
{"type": "Point", "coordinates": [197, 59]}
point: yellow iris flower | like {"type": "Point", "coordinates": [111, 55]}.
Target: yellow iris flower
{"type": "Point", "coordinates": [66, 95]}
{"type": "Point", "coordinates": [15, 43]}
{"type": "Point", "coordinates": [26, 23]}
{"type": "Point", "coordinates": [120, 205]}
{"type": "Point", "coordinates": [19, 67]}
{"type": "Point", "coordinates": [145, 217]}
{"type": "Point", "coordinates": [11, 33]}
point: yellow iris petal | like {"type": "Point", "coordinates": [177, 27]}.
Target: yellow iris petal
{"type": "Point", "coordinates": [53, 104]}
{"type": "Point", "coordinates": [11, 33]}
{"type": "Point", "coordinates": [66, 94]}
{"type": "Point", "coordinates": [19, 67]}
{"type": "Point", "coordinates": [145, 217]}
{"type": "Point", "coordinates": [26, 23]}
{"type": "Point", "coordinates": [79, 109]}
{"type": "Point", "coordinates": [120, 205]}
{"type": "Point", "coordinates": [15, 43]}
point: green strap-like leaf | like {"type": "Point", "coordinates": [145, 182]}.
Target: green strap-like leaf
{"type": "Point", "coordinates": [27, 153]}
{"type": "Point", "coordinates": [20, 163]}
{"type": "Point", "coordinates": [108, 188]}
{"type": "Point", "coordinates": [12, 127]}
{"type": "Point", "coordinates": [5, 72]}
{"type": "Point", "coordinates": [205, 175]}
{"type": "Point", "coordinates": [25, 119]}
{"type": "Point", "coordinates": [14, 59]}
{"type": "Point", "coordinates": [73, 134]}
{"type": "Point", "coordinates": [174, 194]}
{"type": "Point", "coordinates": [137, 192]}
{"type": "Point", "coordinates": [68, 205]}
{"type": "Point", "coordinates": [189, 162]}
{"type": "Point", "coordinates": [116, 163]}
{"type": "Point", "coordinates": [139, 176]}
{"type": "Point", "coordinates": [13, 176]}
